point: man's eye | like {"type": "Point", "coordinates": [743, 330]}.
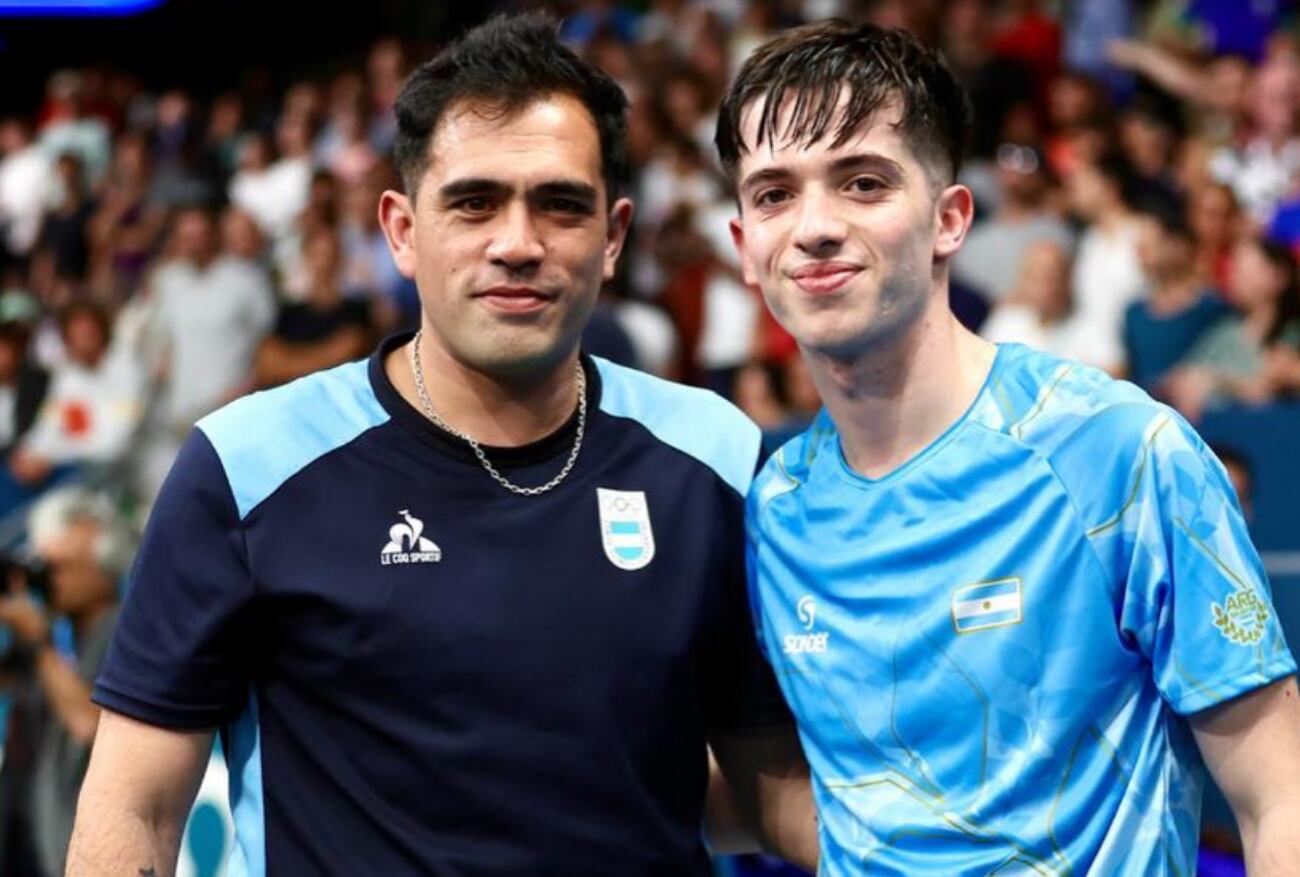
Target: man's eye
{"type": "Point", "coordinates": [771, 197]}
{"type": "Point", "coordinates": [475, 204]}
{"type": "Point", "coordinates": [566, 205]}
{"type": "Point", "coordinates": [866, 185]}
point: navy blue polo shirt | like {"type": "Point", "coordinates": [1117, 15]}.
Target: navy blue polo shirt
{"type": "Point", "coordinates": [418, 672]}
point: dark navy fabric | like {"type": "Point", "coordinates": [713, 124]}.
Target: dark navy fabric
{"type": "Point", "coordinates": [507, 702]}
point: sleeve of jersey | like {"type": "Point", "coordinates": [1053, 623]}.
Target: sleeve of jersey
{"type": "Point", "coordinates": [179, 656]}
{"type": "Point", "coordinates": [744, 692]}
{"type": "Point", "coordinates": [1196, 600]}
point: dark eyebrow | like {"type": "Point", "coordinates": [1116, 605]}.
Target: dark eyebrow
{"type": "Point", "coordinates": [472, 186]}
{"type": "Point", "coordinates": [839, 166]}
{"type": "Point", "coordinates": [566, 189]}
{"type": "Point", "coordinates": [867, 160]}
{"type": "Point", "coordinates": [766, 175]}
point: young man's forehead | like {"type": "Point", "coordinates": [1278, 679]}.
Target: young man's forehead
{"type": "Point", "coordinates": [785, 132]}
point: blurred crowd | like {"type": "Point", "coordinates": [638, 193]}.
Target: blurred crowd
{"type": "Point", "coordinates": [162, 251]}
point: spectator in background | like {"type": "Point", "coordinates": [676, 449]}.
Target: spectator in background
{"type": "Point", "coordinates": [998, 85]}
{"type": "Point", "coordinates": [1214, 218]}
{"type": "Point", "coordinates": [1263, 170]}
{"type": "Point", "coordinates": [1079, 116]}
{"type": "Point", "coordinates": [23, 384]}
{"type": "Point", "coordinates": [1107, 275]}
{"type": "Point", "coordinates": [1147, 139]}
{"type": "Point", "coordinates": [1229, 362]}
{"type": "Point", "coordinates": [85, 548]}
{"type": "Point", "coordinates": [180, 176]}
{"type": "Point", "coordinates": [990, 260]}
{"type": "Point", "coordinates": [649, 330]}
{"type": "Point", "coordinates": [275, 192]}
{"type": "Point", "coordinates": [348, 154]}
{"type": "Point", "coordinates": [1040, 310]}
{"type": "Point", "coordinates": [62, 248]}
{"type": "Point", "coordinates": [221, 140]}
{"type": "Point", "coordinates": [26, 180]}
{"type": "Point", "coordinates": [241, 238]}
{"type": "Point", "coordinates": [90, 413]}
{"type": "Point", "coordinates": [324, 329]}
{"type": "Point", "coordinates": [368, 269]}
{"type": "Point", "coordinates": [126, 225]}
{"type": "Point", "coordinates": [385, 71]}
{"type": "Point", "coordinates": [1160, 328]}
{"type": "Point", "coordinates": [70, 129]}
{"type": "Point", "coordinates": [212, 310]}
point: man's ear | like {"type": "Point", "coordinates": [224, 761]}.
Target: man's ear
{"type": "Point", "coordinates": [738, 240]}
{"type": "Point", "coordinates": [397, 219]}
{"type": "Point", "coordinates": [954, 212]}
{"type": "Point", "coordinates": [620, 220]}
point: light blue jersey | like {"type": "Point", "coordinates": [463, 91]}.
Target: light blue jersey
{"type": "Point", "coordinates": [990, 650]}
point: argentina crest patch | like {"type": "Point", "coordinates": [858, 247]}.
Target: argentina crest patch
{"type": "Point", "coordinates": [625, 528]}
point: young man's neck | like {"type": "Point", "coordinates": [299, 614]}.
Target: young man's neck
{"type": "Point", "coordinates": [489, 409]}
{"type": "Point", "coordinates": [890, 403]}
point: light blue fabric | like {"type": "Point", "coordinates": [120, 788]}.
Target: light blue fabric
{"type": "Point", "coordinates": [696, 422]}
{"type": "Point", "coordinates": [990, 650]}
{"type": "Point", "coordinates": [247, 801]}
{"type": "Point", "coordinates": [264, 439]}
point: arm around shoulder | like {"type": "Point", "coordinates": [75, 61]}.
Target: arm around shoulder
{"type": "Point", "coordinates": [136, 797]}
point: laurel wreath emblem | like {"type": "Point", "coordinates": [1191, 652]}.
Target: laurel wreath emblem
{"type": "Point", "coordinates": [1241, 618]}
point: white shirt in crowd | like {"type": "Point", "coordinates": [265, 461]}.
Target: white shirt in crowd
{"type": "Point", "coordinates": [1019, 323]}
{"type": "Point", "coordinates": [89, 414]}
{"type": "Point", "coordinates": [210, 323]}
{"type": "Point", "coordinates": [1257, 174]}
{"type": "Point", "coordinates": [26, 189]}
{"type": "Point", "coordinates": [1107, 278]}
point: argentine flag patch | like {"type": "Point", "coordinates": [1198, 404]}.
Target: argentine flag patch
{"type": "Point", "coordinates": [987, 604]}
{"type": "Point", "coordinates": [625, 528]}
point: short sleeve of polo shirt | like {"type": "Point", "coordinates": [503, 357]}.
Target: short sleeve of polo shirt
{"type": "Point", "coordinates": [743, 690]}
{"type": "Point", "coordinates": [1195, 598]}
{"type": "Point", "coordinates": [179, 657]}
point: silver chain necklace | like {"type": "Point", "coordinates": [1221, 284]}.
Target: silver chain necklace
{"type": "Point", "coordinates": [423, 394]}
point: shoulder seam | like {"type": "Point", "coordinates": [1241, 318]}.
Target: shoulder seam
{"type": "Point", "coordinates": [1079, 519]}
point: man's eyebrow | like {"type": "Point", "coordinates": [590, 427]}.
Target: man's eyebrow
{"type": "Point", "coordinates": [472, 186]}
{"type": "Point", "coordinates": [574, 189]}
{"type": "Point", "coordinates": [841, 165]}
{"type": "Point", "coordinates": [760, 177]}
{"type": "Point", "coordinates": [866, 160]}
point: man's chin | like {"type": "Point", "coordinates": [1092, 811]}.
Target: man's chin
{"type": "Point", "coordinates": [514, 359]}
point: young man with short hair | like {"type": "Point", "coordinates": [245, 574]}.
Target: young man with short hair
{"type": "Point", "coordinates": [1008, 598]}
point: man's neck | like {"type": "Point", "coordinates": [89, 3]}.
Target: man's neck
{"type": "Point", "coordinates": [488, 409]}
{"type": "Point", "coordinates": [892, 402]}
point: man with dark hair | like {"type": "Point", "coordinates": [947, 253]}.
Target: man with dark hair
{"type": "Point", "coordinates": [473, 607]}
{"type": "Point", "coordinates": [1107, 275]}
{"type": "Point", "coordinates": [1008, 598]}
{"type": "Point", "coordinates": [1177, 310]}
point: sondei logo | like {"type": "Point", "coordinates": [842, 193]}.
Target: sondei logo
{"type": "Point", "coordinates": [806, 643]}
